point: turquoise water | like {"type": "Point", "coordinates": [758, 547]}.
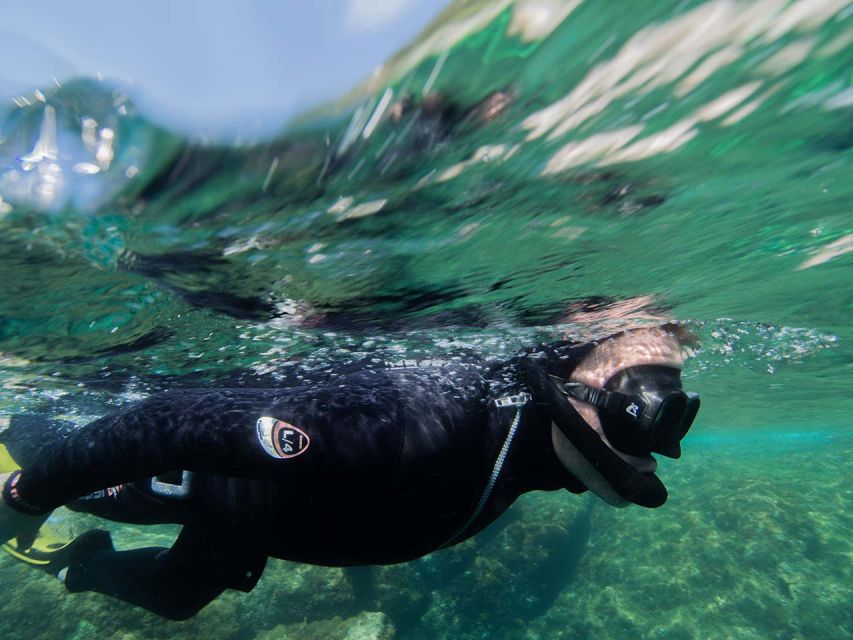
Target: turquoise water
{"type": "Point", "coordinates": [521, 172]}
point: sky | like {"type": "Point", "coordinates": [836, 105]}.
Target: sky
{"type": "Point", "coordinates": [215, 68]}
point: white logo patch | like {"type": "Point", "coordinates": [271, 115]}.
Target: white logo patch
{"type": "Point", "coordinates": [281, 439]}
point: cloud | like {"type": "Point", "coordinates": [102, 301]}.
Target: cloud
{"type": "Point", "coordinates": [367, 15]}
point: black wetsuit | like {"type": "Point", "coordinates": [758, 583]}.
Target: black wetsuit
{"type": "Point", "coordinates": [378, 466]}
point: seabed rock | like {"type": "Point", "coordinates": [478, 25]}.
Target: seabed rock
{"type": "Point", "coordinates": [368, 625]}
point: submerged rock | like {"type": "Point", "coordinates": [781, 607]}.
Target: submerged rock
{"type": "Point", "coordinates": [290, 593]}
{"type": "Point", "coordinates": [369, 625]}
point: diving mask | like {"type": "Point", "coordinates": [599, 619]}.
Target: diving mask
{"type": "Point", "coordinates": [642, 409]}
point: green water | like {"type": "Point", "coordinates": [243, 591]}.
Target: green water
{"type": "Point", "coordinates": [696, 156]}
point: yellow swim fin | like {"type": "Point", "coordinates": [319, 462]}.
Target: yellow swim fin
{"type": "Point", "coordinates": [48, 541]}
{"type": "Point", "coordinates": [7, 462]}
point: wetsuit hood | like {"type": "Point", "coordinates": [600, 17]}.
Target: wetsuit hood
{"type": "Point", "coordinates": [591, 460]}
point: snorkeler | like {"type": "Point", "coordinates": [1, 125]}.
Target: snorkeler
{"type": "Point", "coordinates": [379, 465]}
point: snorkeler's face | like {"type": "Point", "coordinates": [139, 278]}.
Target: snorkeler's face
{"type": "Point", "coordinates": [635, 349]}
{"type": "Point", "coordinates": [642, 409]}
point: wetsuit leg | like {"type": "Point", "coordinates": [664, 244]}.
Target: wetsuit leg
{"type": "Point", "coordinates": [174, 583]}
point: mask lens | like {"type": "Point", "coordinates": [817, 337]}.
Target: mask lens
{"type": "Point", "coordinates": [675, 425]}
{"type": "Point", "coordinates": [669, 416]}
{"type": "Point", "coordinates": [689, 414]}
{"type": "Point", "coordinates": [665, 437]}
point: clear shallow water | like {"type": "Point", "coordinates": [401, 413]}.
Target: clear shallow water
{"type": "Point", "coordinates": [515, 184]}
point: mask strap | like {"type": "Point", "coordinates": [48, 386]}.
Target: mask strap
{"type": "Point", "coordinates": [608, 400]}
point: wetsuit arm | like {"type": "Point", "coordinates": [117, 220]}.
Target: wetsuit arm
{"type": "Point", "coordinates": [353, 428]}
{"type": "Point", "coordinates": [201, 431]}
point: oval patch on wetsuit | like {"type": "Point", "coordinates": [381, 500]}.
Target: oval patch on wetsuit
{"type": "Point", "coordinates": [281, 439]}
